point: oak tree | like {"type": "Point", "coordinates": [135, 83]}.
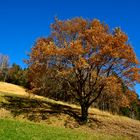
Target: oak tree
{"type": "Point", "coordinates": [85, 55]}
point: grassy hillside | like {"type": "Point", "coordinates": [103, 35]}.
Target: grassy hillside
{"type": "Point", "coordinates": [19, 130]}
{"type": "Point", "coordinates": [16, 103]}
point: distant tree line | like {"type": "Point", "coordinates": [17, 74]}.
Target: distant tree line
{"type": "Point", "coordinates": [13, 74]}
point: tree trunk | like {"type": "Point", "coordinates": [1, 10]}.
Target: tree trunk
{"type": "Point", "coordinates": [5, 76]}
{"type": "Point", "coordinates": [84, 113]}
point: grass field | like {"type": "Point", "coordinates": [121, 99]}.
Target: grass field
{"type": "Point", "coordinates": [17, 130]}
{"type": "Point", "coordinates": [17, 104]}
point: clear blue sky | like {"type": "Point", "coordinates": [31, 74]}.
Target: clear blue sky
{"type": "Point", "coordinates": [23, 21]}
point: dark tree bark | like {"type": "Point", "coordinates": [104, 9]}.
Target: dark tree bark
{"type": "Point", "coordinates": [84, 113]}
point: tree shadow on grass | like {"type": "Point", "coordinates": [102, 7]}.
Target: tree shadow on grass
{"type": "Point", "coordinates": [36, 110]}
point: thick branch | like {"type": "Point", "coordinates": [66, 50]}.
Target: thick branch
{"type": "Point", "coordinates": [99, 93]}
{"type": "Point", "coordinates": [91, 88]}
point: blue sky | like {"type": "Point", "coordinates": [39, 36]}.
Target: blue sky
{"type": "Point", "coordinates": [23, 21]}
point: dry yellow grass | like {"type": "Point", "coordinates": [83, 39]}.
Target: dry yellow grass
{"type": "Point", "coordinates": [100, 121]}
{"type": "Point", "coordinates": [8, 89]}
{"type": "Point", "coordinates": [115, 124]}
{"type": "Point", "coordinates": [11, 88]}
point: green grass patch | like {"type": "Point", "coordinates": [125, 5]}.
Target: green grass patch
{"type": "Point", "coordinates": [19, 130]}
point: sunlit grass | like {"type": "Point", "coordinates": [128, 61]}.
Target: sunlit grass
{"type": "Point", "coordinates": [17, 130]}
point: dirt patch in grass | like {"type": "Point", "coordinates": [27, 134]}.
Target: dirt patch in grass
{"type": "Point", "coordinates": [5, 113]}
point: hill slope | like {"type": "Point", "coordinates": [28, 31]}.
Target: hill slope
{"type": "Point", "coordinates": [16, 103]}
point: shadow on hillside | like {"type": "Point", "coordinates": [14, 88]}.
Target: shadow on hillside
{"type": "Point", "coordinates": [36, 110]}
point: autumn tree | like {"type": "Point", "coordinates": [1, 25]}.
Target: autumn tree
{"type": "Point", "coordinates": [85, 55]}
